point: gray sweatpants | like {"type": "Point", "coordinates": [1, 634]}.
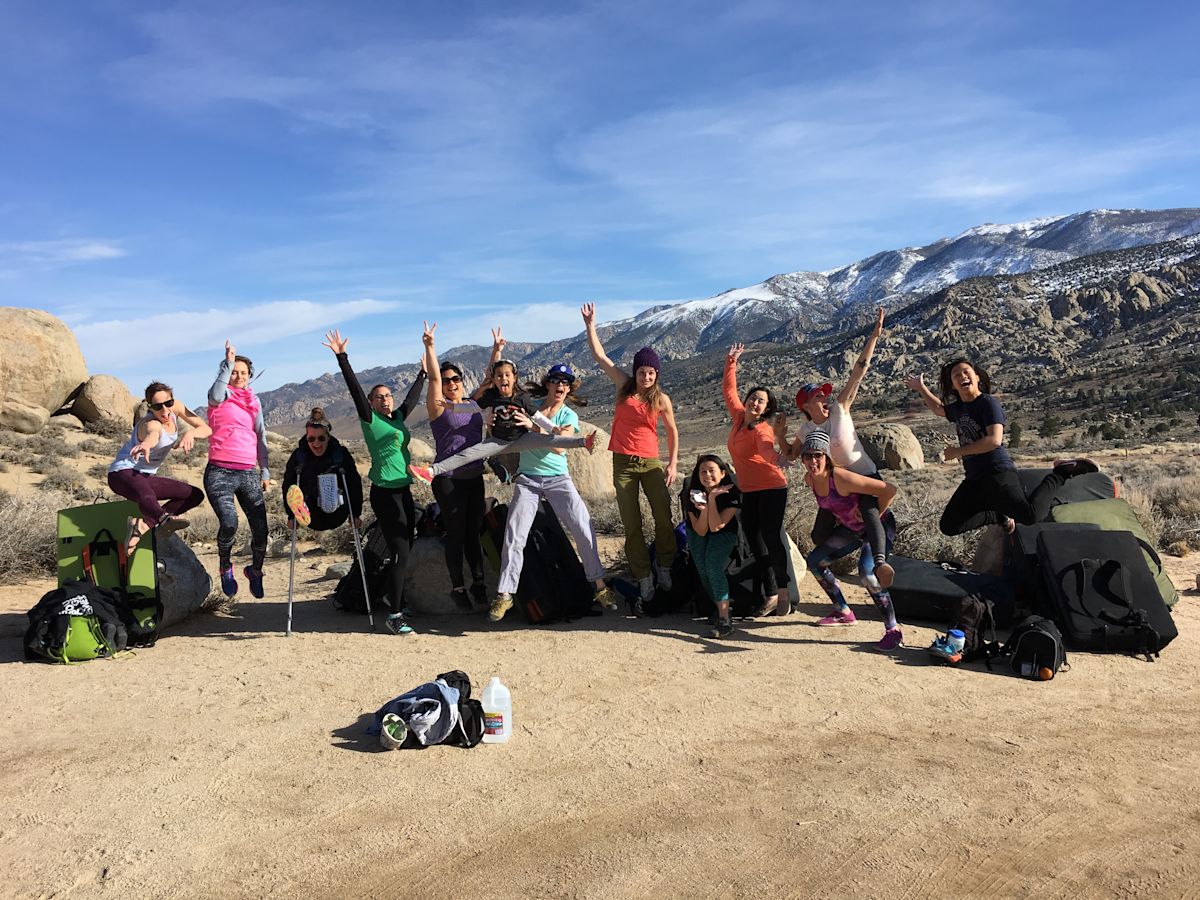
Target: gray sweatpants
{"type": "Point", "coordinates": [564, 499]}
{"type": "Point", "coordinates": [531, 440]}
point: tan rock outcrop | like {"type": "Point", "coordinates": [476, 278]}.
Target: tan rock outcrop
{"type": "Point", "coordinates": [40, 363]}
{"type": "Point", "coordinates": [892, 446]}
{"type": "Point", "coordinates": [104, 397]}
{"type": "Point", "coordinates": [592, 472]}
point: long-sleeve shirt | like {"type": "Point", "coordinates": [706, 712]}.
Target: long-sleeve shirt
{"type": "Point", "coordinates": [387, 437]}
{"type": "Point", "coordinates": [752, 450]}
{"type": "Point", "coordinates": [220, 393]}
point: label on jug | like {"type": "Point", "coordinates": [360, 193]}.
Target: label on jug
{"type": "Point", "coordinates": [493, 722]}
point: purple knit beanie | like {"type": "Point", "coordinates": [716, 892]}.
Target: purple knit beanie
{"type": "Point", "coordinates": [646, 357]}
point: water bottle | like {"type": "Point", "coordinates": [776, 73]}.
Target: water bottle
{"type": "Point", "coordinates": [497, 712]}
{"type": "Point", "coordinates": [956, 639]}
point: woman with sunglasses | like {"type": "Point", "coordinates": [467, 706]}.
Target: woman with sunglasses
{"type": "Point", "coordinates": [544, 474]}
{"type": "Point", "coordinates": [134, 473]}
{"type": "Point", "coordinates": [751, 444]}
{"type": "Point", "coordinates": [456, 427]}
{"type": "Point", "coordinates": [320, 453]}
{"type": "Point", "coordinates": [237, 467]}
{"type": "Point", "coordinates": [387, 439]}
{"type": "Point", "coordinates": [838, 490]}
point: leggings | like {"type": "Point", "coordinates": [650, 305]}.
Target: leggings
{"type": "Point", "coordinates": [461, 503]}
{"type": "Point", "coordinates": [222, 486]}
{"type": "Point", "coordinates": [762, 521]}
{"type": "Point", "coordinates": [395, 513]}
{"type": "Point", "coordinates": [531, 440]}
{"type": "Point", "coordinates": [987, 500]}
{"type": "Point", "coordinates": [868, 507]}
{"type": "Point", "coordinates": [842, 542]}
{"type": "Point", "coordinates": [710, 554]}
{"type": "Point", "coordinates": [147, 490]}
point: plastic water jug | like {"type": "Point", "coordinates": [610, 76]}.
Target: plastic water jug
{"type": "Point", "coordinates": [497, 712]}
{"type": "Point", "coordinates": [956, 639]}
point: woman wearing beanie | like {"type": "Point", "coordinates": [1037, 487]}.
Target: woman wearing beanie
{"type": "Point", "coordinates": [641, 402]}
{"type": "Point", "coordinates": [763, 485]}
{"type": "Point", "coordinates": [320, 453]}
{"type": "Point", "coordinates": [237, 467]}
{"type": "Point", "coordinates": [838, 490]}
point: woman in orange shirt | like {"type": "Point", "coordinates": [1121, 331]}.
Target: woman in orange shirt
{"type": "Point", "coordinates": [763, 484]}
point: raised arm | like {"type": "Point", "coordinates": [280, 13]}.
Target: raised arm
{"type": "Point", "coordinates": [932, 403]}
{"type": "Point", "coordinates": [667, 411]}
{"type": "Point", "coordinates": [433, 397]}
{"type": "Point", "coordinates": [615, 373]}
{"type": "Point", "coordinates": [729, 386]}
{"type": "Point", "coordinates": [850, 391]}
{"type": "Point", "coordinates": [338, 344]}
{"type": "Point", "coordinates": [220, 386]}
{"type": "Point", "coordinates": [413, 397]}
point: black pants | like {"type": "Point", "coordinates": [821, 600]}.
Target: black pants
{"type": "Point", "coordinates": [461, 503]}
{"type": "Point", "coordinates": [868, 507]}
{"type": "Point", "coordinates": [395, 513]}
{"type": "Point", "coordinates": [762, 521]}
{"type": "Point", "coordinates": [987, 500]}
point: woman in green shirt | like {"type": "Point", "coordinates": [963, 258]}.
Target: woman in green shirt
{"type": "Point", "coordinates": [387, 440]}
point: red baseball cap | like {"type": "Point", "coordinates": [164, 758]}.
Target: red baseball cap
{"type": "Point", "coordinates": [806, 393]}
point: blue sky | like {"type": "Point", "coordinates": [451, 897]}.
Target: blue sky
{"type": "Point", "coordinates": [173, 174]}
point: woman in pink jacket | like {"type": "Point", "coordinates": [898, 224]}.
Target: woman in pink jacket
{"type": "Point", "coordinates": [237, 467]}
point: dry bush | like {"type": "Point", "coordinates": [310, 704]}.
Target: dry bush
{"type": "Point", "coordinates": [63, 480]}
{"type": "Point", "coordinates": [109, 429]}
{"type": "Point", "coordinates": [216, 602]}
{"type": "Point", "coordinates": [17, 454]}
{"type": "Point", "coordinates": [99, 472]}
{"type": "Point", "coordinates": [11, 438]}
{"type": "Point", "coordinates": [100, 446]}
{"type": "Point", "coordinates": [3, 464]}
{"type": "Point", "coordinates": [29, 535]}
{"type": "Point", "coordinates": [51, 445]}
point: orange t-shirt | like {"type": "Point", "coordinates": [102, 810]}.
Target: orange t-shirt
{"type": "Point", "coordinates": [752, 450]}
{"type": "Point", "coordinates": [634, 428]}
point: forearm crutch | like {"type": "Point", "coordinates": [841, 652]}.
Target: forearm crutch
{"type": "Point", "coordinates": [362, 569]}
{"type": "Point", "coordinates": [291, 577]}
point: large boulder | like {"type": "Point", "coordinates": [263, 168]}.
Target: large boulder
{"type": "Point", "coordinates": [40, 362]}
{"type": "Point", "coordinates": [592, 472]}
{"type": "Point", "coordinates": [892, 446]}
{"type": "Point", "coordinates": [183, 584]}
{"type": "Point", "coordinates": [420, 451]}
{"type": "Point", "coordinates": [427, 583]}
{"type": "Point", "coordinates": [17, 415]}
{"type": "Point", "coordinates": [104, 397]}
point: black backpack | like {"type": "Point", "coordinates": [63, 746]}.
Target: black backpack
{"type": "Point", "coordinates": [470, 712]}
{"type": "Point", "coordinates": [1035, 644]}
{"type": "Point", "coordinates": [974, 617]}
{"type": "Point", "coordinates": [348, 595]}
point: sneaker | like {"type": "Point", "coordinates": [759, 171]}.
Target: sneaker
{"type": "Point", "coordinates": [502, 604]}
{"type": "Point", "coordinates": [767, 607]}
{"type": "Point", "coordinates": [396, 625]}
{"type": "Point", "coordinates": [255, 578]}
{"type": "Point", "coordinates": [941, 650]}
{"type": "Point", "coordinates": [295, 502]}
{"type": "Point", "coordinates": [1069, 468]}
{"type": "Point", "coordinates": [228, 582]}
{"type": "Point", "coordinates": [646, 587]}
{"type": "Point", "coordinates": [458, 596]}
{"type": "Point", "coordinates": [392, 732]}
{"type": "Point", "coordinates": [892, 638]}
{"type": "Point", "coordinates": [839, 617]}
{"type": "Point", "coordinates": [479, 595]}
{"type": "Point", "coordinates": [664, 577]}
{"type": "Point", "coordinates": [499, 470]}
{"type": "Point", "coordinates": [171, 524]}
{"type": "Point", "coordinates": [723, 628]}
{"type": "Point", "coordinates": [885, 574]}
{"type": "Point", "coordinates": [421, 473]}
{"type": "Point", "coordinates": [637, 607]}
{"type": "Point", "coordinates": [607, 599]}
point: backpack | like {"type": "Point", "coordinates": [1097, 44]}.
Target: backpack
{"type": "Point", "coordinates": [75, 623]}
{"type": "Point", "coordinates": [974, 617]}
{"type": "Point", "coordinates": [470, 712]}
{"type": "Point", "coordinates": [348, 594]}
{"type": "Point", "coordinates": [1035, 645]}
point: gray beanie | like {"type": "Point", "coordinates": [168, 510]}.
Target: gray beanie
{"type": "Point", "coordinates": [816, 442]}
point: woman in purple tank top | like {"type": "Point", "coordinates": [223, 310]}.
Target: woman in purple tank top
{"type": "Point", "coordinates": [838, 490]}
{"type": "Point", "coordinates": [459, 493]}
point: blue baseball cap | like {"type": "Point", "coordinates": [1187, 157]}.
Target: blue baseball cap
{"type": "Point", "coordinates": [561, 370]}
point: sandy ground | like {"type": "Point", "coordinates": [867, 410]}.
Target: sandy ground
{"type": "Point", "coordinates": [230, 760]}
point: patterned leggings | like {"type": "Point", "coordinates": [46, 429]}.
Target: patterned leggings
{"type": "Point", "coordinates": [222, 486]}
{"type": "Point", "coordinates": [841, 543]}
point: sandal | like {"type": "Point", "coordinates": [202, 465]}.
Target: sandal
{"type": "Point", "coordinates": [135, 530]}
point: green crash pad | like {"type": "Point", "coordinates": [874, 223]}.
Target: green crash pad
{"type": "Point", "coordinates": [81, 525]}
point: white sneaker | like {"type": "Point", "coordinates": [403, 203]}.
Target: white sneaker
{"type": "Point", "coordinates": [646, 587]}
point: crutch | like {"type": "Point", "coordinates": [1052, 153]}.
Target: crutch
{"type": "Point", "coordinates": [291, 577]}
{"type": "Point", "coordinates": [362, 569]}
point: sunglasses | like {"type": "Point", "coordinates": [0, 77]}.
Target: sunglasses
{"type": "Point", "coordinates": [453, 379]}
{"type": "Point", "coordinates": [812, 455]}
{"type": "Point", "coordinates": [167, 403]}
{"type": "Point", "coordinates": [317, 438]}
{"type": "Point", "coordinates": [381, 396]}
{"type": "Point", "coordinates": [558, 380]}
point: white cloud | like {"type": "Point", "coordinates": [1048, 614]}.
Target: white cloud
{"type": "Point", "coordinates": [53, 254]}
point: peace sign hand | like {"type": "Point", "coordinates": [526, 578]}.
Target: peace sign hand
{"type": "Point", "coordinates": [427, 335]}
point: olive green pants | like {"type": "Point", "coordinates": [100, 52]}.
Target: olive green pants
{"type": "Point", "coordinates": [630, 473]}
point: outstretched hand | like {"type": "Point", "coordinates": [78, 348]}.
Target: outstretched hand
{"type": "Point", "coordinates": [427, 335]}
{"type": "Point", "coordinates": [335, 342]}
{"type": "Point", "coordinates": [230, 352]}
{"type": "Point", "coordinates": [735, 352]}
{"type": "Point", "coordinates": [588, 311]}
{"type": "Point", "coordinates": [915, 382]}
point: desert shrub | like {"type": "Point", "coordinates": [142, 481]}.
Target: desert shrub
{"type": "Point", "coordinates": [51, 444]}
{"type": "Point", "coordinates": [99, 446]}
{"type": "Point", "coordinates": [98, 472]}
{"type": "Point", "coordinates": [64, 480]}
{"type": "Point", "coordinates": [18, 455]}
{"type": "Point", "coordinates": [3, 465]}
{"type": "Point", "coordinates": [11, 438]}
{"type": "Point", "coordinates": [217, 602]}
{"type": "Point", "coordinates": [27, 540]}
{"type": "Point", "coordinates": [108, 428]}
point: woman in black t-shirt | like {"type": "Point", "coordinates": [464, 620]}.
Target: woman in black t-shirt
{"type": "Point", "coordinates": [991, 492]}
{"type": "Point", "coordinates": [710, 501]}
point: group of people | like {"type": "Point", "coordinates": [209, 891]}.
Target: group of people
{"type": "Point", "coordinates": [525, 431]}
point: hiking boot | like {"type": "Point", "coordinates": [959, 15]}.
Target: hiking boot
{"type": "Point", "coordinates": [1069, 468]}
{"type": "Point", "coordinates": [838, 617]}
{"type": "Point", "coordinates": [479, 595]}
{"type": "Point", "coordinates": [255, 578]}
{"type": "Point", "coordinates": [392, 732]}
{"type": "Point", "coordinates": [723, 628]}
{"type": "Point", "coordinates": [458, 596]}
{"type": "Point", "coordinates": [502, 604]}
{"type": "Point", "coordinates": [664, 577]}
{"type": "Point", "coordinates": [228, 582]}
{"type": "Point", "coordinates": [885, 574]}
{"type": "Point", "coordinates": [892, 638]}
{"type": "Point", "coordinates": [607, 599]}
{"type": "Point", "coordinates": [942, 650]}
{"type": "Point", "coordinates": [295, 502]}
{"type": "Point", "coordinates": [646, 587]}
{"type": "Point", "coordinates": [396, 625]}
{"type": "Point", "coordinates": [421, 472]}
